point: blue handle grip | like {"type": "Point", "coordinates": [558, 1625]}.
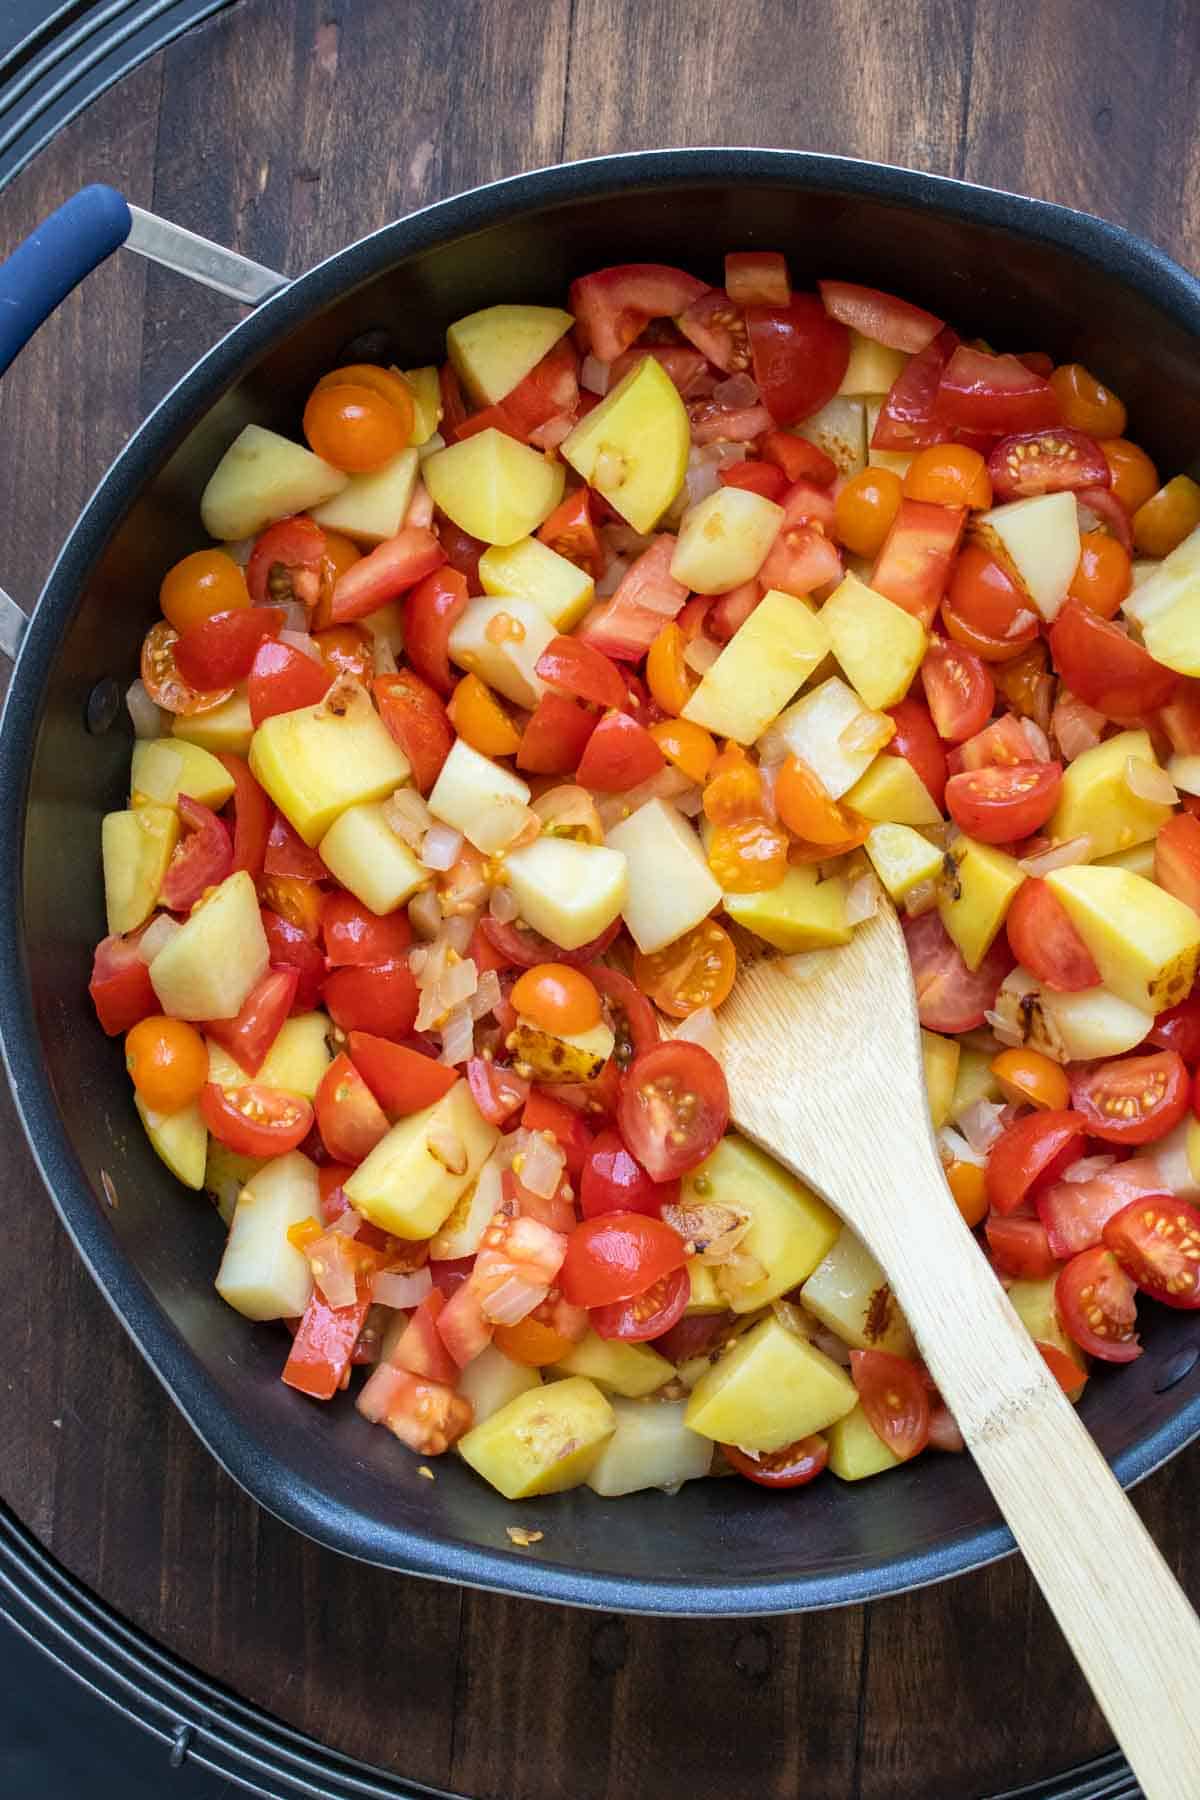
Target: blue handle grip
{"type": "Point", "coordinates": [54, 259]}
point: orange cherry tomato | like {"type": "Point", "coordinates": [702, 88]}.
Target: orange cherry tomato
{"type": "Point", "coordinates": [1163, 521]}
{"type": "Point", "coordinates": [168, 1061]}
{"type": "Point", "coordinates": [734, 790]}
{"type": "Point", "coordinates": [346, 650]}
{"type": "Point", "coordinates": [748, 856]}
{"type": "Point", "coordinates": [557, 998]}
{"type": "Point", "coordinates": [341, 553]}
{"type": "Point", "coordinates": [1103, 575]}
{"type": "Point", "coordinates": [204, 583]}
{"type": "Point", "coordinates": [297, 901]}
{"type": "Point", "coordinates": [689, 747]}
{"type": "Point", "coordinates": [1030, 1079]}
{"type": "Point", "coordinates": [807, 810]}
{"type": "Point", "coordinates": [532, 1343]}
{"type": "Point", "coordinates": [389, 384]}
{"type": "Point", "coordinates": [1134, 476]}
{"type": "Point", "coordinates": [667, 675]}
{"type": "Point", "coordinates": [968, 1184]}
{"type": "Point", "coordinates": [865, 508]}
{"type": "Point", "coordinates": [696, 970]}
{"type": "Point", "coordinates": [1087, 405]}
{"type": "Point", "coordinates": [949, 475]}
{"type": "Point", "coordinates": [354, 427]}
{"type": "Point", "coordinates": [480, 720]}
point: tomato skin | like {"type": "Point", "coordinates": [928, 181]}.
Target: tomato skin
{"type": "Point", "coordinates": [614, 1181]}
{"type": "Point", "coordinates": [384, 574]}
{"type": "Point", "coordinates": [611, 306]}
{"type": "Point", "coordinates": [1178, 1029]}
{"type": "Point", "coordinates": [283, 679]}
{"type": "Point", "coordinates": [958, 688]}
{"type": "Point", "coordinates": [895, 1399]}
{"type": "Point", "coordinates": [431, 610]}
{"type": "Point", "coordinates": [1046, 462]}
{"type": "Point", "coordinates": [799, 460]}
{"type": "Point", "coordinates": [1020, 1247]}
{"type": "Point", "coordinates": [916, 739]}
{"type": "Point", "coordinates": [219, 651]}
{"type": "Point", "coordinates": [401, 1079]}
{"type": "Point", "coordinates": [1094, 1283]}
{"type": "Point", "coordinates": [646, 1315]}
{"type": "Point", "coordinates": [999, 805]}
{"type": "Point", "coordinates": [1030, 1154]}
{"type": "Point", "coordinates": [616, 1256]}
{"type": "Point", "coordinates": [1133, 1099]}
{"type": "Point", "coordinates": [523, 948]}
{"type": "Point", "coordinates": [380, 998]}
{"type": "Point", "coordinates": [1102, 665]}
{"type": "Point", "coordinates": [285, 563]}
{"type": "Point", "coordinates": [949, 475]}
{"type": "Point", "coordinates": [252, 815]}
{"type": "Point", "coordinates": [202, 858]}
{"type": "Point", "coordinates": [571, 531]}
{"type": "Point", "coordinates": [120, 986]}
{"type": "Point", "coordinates": [882, 316]}
{"type": "Point", "coordinates": [1086, 403]}
{"type": "Point", "coordinates": [914, 563]}
{"type": "Point", "coordinates": [1134, 476]}
{"type": "Point", "coordinates": [353, 934]}
{"type": "Point", "coordinates": [557, 997]}
{"type": "Point", "coordinates": [556, 736]}
{"type": "Point", "coordinates": [346, 650]}
{"type": "Point", "coordinates": [1003, 744]}
{"type": "Point", "coordinates": [496, 1090]}
{"type": "Point", "coordinates": [1027, 1078]}
{"type": "Point", "coordinates": [799, 355]}
{"type": "Point", "coordinates": [417, 719]}
{"type": "Point", "coordinates": [994, 394]}
{"type": "Point", "coordinates": [349, 1118]}
{"type": "Point", "coordinates": [619, 754]}
{"type": "Point", "coordinates": [1046, 943]}
{"type": "Point", "coordinates": [249, 1035]}
{"type": "Point", "coordinates": [794, 1466]}
{"type": "Point", "coordinates": [254, 1120]}
{"type": "Point", "coordinates": [907, 420]}
{"type": "Point", "coordinates": [649, 1116]}
{"type": "Point", "coordinates": [1156, 1240]}
{"type": "Point", "coordinates": [163, 681]}
{"type": "Point", "coordinates": [291, 947]}
{"type": "Point", "coordinates": [950, 997]}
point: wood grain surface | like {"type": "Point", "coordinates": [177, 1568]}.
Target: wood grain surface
{"type": "Point", "coordinates": [286, 128]}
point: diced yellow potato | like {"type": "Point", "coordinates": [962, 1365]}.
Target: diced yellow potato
{"type": "Point", "coordinates": [896, 460]}
{"type": "Point", "coordinates": [872, 368]}
{"type": "Point", "coordinates": [877, 643]}
{"type": "Point", "coordinates": [813, 729]}
{"type": "Point", "coordinates": [724, 539]}
{"type": "Point", "coordinates": [135, 849]}
{"type": "Point", "coordinates": [801, 913]}
{"type": "Point", "coordinates": [542, 1442]}
{"type": "Point", "coordinates": [499, 638]}
{"type": "Point", "coordinates": [262, 477]}
{"type": "Point", "coordinates": [650, 1448]}
{"type": "Point", "coordinates": [1138, 859]}
{"type": "Point", "coordinates": [207, 969]}
{"type": "Point", "coordinates": [901, 857]}
{"type": "Point", "coordinates": [494, 487]}
{"type": "Point", "coordinates": [495, 349]}
{"type": "Point", "coordinates": [565, 1056]}
{"type": "Point", "coordinates": [568, 891]}
{"type": "Point", "coordinates": [535, 572]}
{"type": "Point", "coordinates": [1034, 1304]}
{"type": "Point", "coordinates": [164, 768]}
{"type": "Point", "coordinates": [426, 391]}
{"type": "Point", "coordinates": [1172, 634]}
{"type": "Point", "coordinates": [629, 1369]}
{"type": "Point", "coordinates": [940, 1055]}
{"type": "Point", "coordinates": [892, 792]}
{"type": "Point", "coordinates": [461, 1232]}
{"type": "Point", "coordinates": [633, 448]}
{"type": "Point", "coordinates": [849, 1293]}
{"type": "Point", "coordinates": [410, 1181]}
{"type": "Point", "coordinates": [840, 430]}
{"type": "Point", "coordinates": [227, 727]}
{"type": "Point", "coordinates": [705, 1295]}
{"type": "Point", "coordinates": [790, 1228]}
{"type": "Point", "coordinates": [1159, 588]}
{"type": "Point", "coordinates": [670, 885]}
{"type": "Point", "coordinates": [973, 1081]}
{"type": "Point", "coordinates": [1079, 1027]}
{"type": "Point", "coordinates": [974, 900]}
{"type": "Point", "coordinates": [1037, 539]}
{"type": "Point", "coordinates": [226, 1174]}
{"type": "Point", "coordinates": [1144, 941]}
{"type": "Point", "coordinates": [471, 790]}
{"type": "Point", "coordinates": [262, 1274]}
{"type": "Point", "coordinates": [180, 1138]}
{"type": "Point", "coordinates": [319, 760]}
{"type": "Point", "coordinates": [1095, 800]}
{"type": "Point", "coordinates": [491, 1379]}
{"type": "Point", "coordinates": [1176, 1160]}
{"type": "Point", "coordinates": [765, 662]}
{"type": "Point", "coordinates": [373, 507]}
{"type": "Point", "coordinates": [361, 850]}
{"type": "Point", "coordinates": [856, 1450]}
{"type": "Point", "coordinates": [295, 1062]}
{"type": "Point", "coordinates": [770, 1388]}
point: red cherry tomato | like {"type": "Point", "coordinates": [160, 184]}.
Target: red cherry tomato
{"type": "Point", "coordinates": [991, 394]}
{"type": "Point", "coordinates": [524, 948]}
{"type": "Point", "coordinates": [1046, 462]}
{"type": "Point", "coordinates": [881, 316]}
{"type": "Point", "coordinates": [431, 610]}
{"type": "Point", "coordinates": [1177, 857]}
{"type": "Point", "coordinates": [1134, 1099]}
{"type": "Point", "coordinates": [163, 681]}
{"type": "Point", "coordinates": [799, 356]}
{"type": "Point", "coordinates": [1030, 1154]}
{"type": "Point", "coordinates": [556, 735]}
{"type": "Point", "coordinates": [202, 858]}
{"type": "Point", "coordinates": [249, 1036]}
{"type": "Point", "coordinates": [673, 1109]}
{"type": "Point", "coordinates": [1101, 664]}
{"type": "Point", "coordinates": [986, 599]}
{"type": "Point", "coordinates": [1156, 1240]}
{"type": "Point", "coordinates": [616, 1256]}
{"type": "Point", "coordinates": [349, 1118]}
{"type": "Point", "coordinates": [286, 563]}
{"type": "Point", "coordinates": [282, 679]}
{"type": "Point", "coordinates": [496, 1090]}
{"type": "Point", "coordinates": [958, 688]}
{"type": "Point", "coordinates": [794, 1466]}
{"type": "Point", "coordinates": [218, 651]}
{"type": "Point", "coordinates": [918, 742]}
{"type": "Point", "coordinates": [381, 998]}
{"type": "Point", "coordinates": [417, 720]}
{"type": "Point", "coordinates": [121, 990]}
{"type": "Point", "coordinates": [917, 555]}
{"type": "Point", "coordinates": [401, 1079]}
{"type": "Point", "coordinates": [1045, 942]}
{"type": "Point", "coordinates": [646, 1315]}
{"type": "Point", "coordinates": [614, 1181]}
{"type": "Point", "coordinates": [630, 1014]}
{"type": "Point", "coordinates": [252, 815]}
{"type": "Point", "coordinates": [288, 854]}
{"type": "Point", "coordinates": [906, 419]}
{"type": "Point", "coordinates": [764, 478]}
{"type": "Point", "coordinates": [290, 947]}
{"type": "Point", "coordinates": [999, 805]}
{"type": "Point", "coordinates": [353, 934]}
{"type": "Point", "coordinates": [619, 755]}
{"type": "Point", "coordinates": [1097, 1303]}
{"type": "Point", "coordinates": [384, 573]}
{"type": "Point", "coordinates": [571, 532]}
{"type": "Point", "coordinates": [1020, 1247]}
{"type": "Point", "coordinates": [255, 1120]}
{"type": "Point", "coordinates": [895, 1399]}
{"type": "Point", "coordinates": [951, 997]}
{"type": "Point", "coordinates": [582, 671]}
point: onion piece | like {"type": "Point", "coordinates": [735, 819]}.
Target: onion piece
{"type": "Point", "coordinates": [568, 811]}
{"type": "Point", "coordinates": [399, 1288]}
{"type": "Point", "coordinates": [425, 913]}
{"type": "Point", "coordinates": [513, 1300]}
{"type": "Point", "coordinates": [1037, 740]}
{"type": "Point", "coordinates": [1008, 1032]}
{"type": "Point", "coordinates": [955, 1148]}
{"type": "Point", "coordinates": [502, 903]}
{"type": "Point", "coordinates": [383, 656]}
{"type": "Point", "coordinates": [487, 995]}
{"type": "Point", "coordinates": [1076, 726]}
{"type": "Point", "coordinates": [713, 1231]}
{"type": "Point", "coordinates": [157, 936]}
{"type": "Point", "coordinates": [1087, 1167]}
{"type": "Point", "coordinates": [594, 375]}
{"type": "Point", "coordinates": [347, 1223]}
{"type": "Point", "coordinates": [862, 899]}
{"type": "Point", "coordinates": [332, 1272]}
{"type": "Point", "coordinates": [446, 1147]}
{"type": "Point", "coordinates": [702, 479]}
{"type": "Point", "coordinates": [667, 784]}
{"type": "Point", "coordinates": [738, 391]}
{"type": "Point", "coordinates": [239, 551]}
{"type": "Point", "coordinates": [146, 716]}
{"type": "Point", "coordinates": [612, 577]}
{"type": "Point", "coordinates": [806, 965]}
{"type": "Point", "coordinates": [406, 813]}
{"type": "Point", "coordinates": [441, 847]}
{"type": "Point", "coordinates": [980, 1124]}
{"type": "Point", "coordinates": [300, 640]}
{"type": "Point", "coordinates": [1148, 782]}
{"type": "Point", "coordinates": [702, 1027]}
{"type": "Point", "coordinates": [542, 1164]}
{"type": "Point", "coordinates": [1058, 856]}
{"type": "Point", "coordinates": [921, 898]}
{"type": "Point", "coordinates": [867, 731]}
{"type": "Point", "coordinates": [504, 825]}
{"type": "Point", "coordinates": [833, 1347]}
{"type": "Point", "coordinates": [295, 616]}
{"type": "Point", "coordinates": [458, 1036]}
{"type": "Point", "coordinates": [701, 654]}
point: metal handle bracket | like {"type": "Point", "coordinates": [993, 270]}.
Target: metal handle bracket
{"type": "Point", "coordinates": [237, 277]}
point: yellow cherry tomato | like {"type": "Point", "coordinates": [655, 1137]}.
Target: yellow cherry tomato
{"type": "Point", "coordinates": [696, 970]}
{"type": "Point", "coordinates": [354, 427]}
{"type": "Point", "coordinates": [969, 1187]}
{"type": "Point", "coordinates": [1103, 575]}
{"type": "Point", "coordinates": [1087, 405]}
{"type": "Point", "coordinates": [688, 746]}
{"type": "Point", "coordinates": [949, 475]}
{"type": "Point", "coordinates": [806, 809]}
{"type": "Point", "coordinates": [532, 1343]}
{"type": "Point", "coordinates": [748, 856]}
{"type": "Point", "coordinates": [168, 1061]}
{"type": "Point", "coordinates": [1161, 523]}
{"type": "Point", "coordinates": [557, 998]}
{"type": "Point", "coordinates": [1134, 476]}
{"type": "Point", "coordinates": [865, 508]}
{"type": "Point", "coordinates": [667, 675]}
{"type": "Point", "coordinates": [480, 720]}
{"type": "Point", "coordinates": [1028, 1078]}
{"type": "Point", "coordinates": [204, 583]}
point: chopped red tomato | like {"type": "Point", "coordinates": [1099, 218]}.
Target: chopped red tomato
{"type": "Point", "coordinates": [614, 1181]}
{"type": "Point", "coordinates": [288, 854]}
{"type": "Point", "coordinates": [462, 558]}
{"type": "Point", "coordinates": [582, 671]}
{"type": "Point", "coordinates": [290, 947]}
{"type": "Point", "coordinates": [794, 1466]}
{"type": "Point", "coordinates": [913, 567]}
{"type": "Point", "coordinates": [323, 1346]}
{"type": "Point", "coordinates": [799, 355]}
{"type": "Point", "coordinates": [895, 1399]}
{"type": "Point", "coordinates": [571, 532]}
{"type": "Point", "coordinates": [1002, 744]}
{"type": "Point", "coordinates": [1075, 1213]}
{"type": "Point", "coordinates": [1046, 943]}
{"type": "Point", "coordinates": [616, 1256]}
{"type": "Point", "coordinates": [121, 990]}
{"type": "Point", "coordinates": [401, 1079]}
{"type": "Point", "coordinates": [717, 327]}
{"type": "Point", "coordinates": [674, 1108]}
{"type": "Point", "coordinates": [1046, 462]}
{"type": "Point", "coordinates": [763, 478]}
{"type": "Point", "coordinates": [254, 1120]}
{"type": "Point", "coordinates": [1019, 1247]}
{"type": "Point", "coordinates": [249, 1035]}
{"type": "Point", "coordinates": [354, 934]}
{"type": "Point", "coordinates": [647, 597]}
{"type": "Point", "coordinates": [998, 805]}
{"type": "Point", "coordinates": [1105, 505]}
{"type": "Point", "coordinates": [349, 1118]}
{"type": "Point", "coordinates": [612, 306]}
{"type": "Point", "coordinates": [1177, 858]}
{"type": "Point", "coordinates": [1156, 1240]}
{"type": "Point", "coordinates": [619, 754]}
{"type": "Point", "coordinates": [202, 858]}
{"type": "Point", "coordinates": [1101, 664]}
{"type": "Point", "coordinates": [1178, 1028]}
{"type": "Point", "coordinates": [917, 741]}
{"type": "Point", "coordinates": [496, 1090]}
{"type": "Point", "coordinates": [420, 1348]}
{"type": "Point", "coordinates": [282, 679]}
{"type": "Point", "coordinates": [884, 317]}
{"type": "Point", "coordinates": [286, 562]}
{"type": "Point", "coordinates": [646, 1315]}
{"type": "Point", "coordinates": [380, 998]}
{"type": "Point", "coordinates": [984, 601]}
{"type": "Point", "coordinates": [1065, 1370]}
{"type": "Point", "coordinates": [757, 278]}
{"type": "Point", "coordinates": [1097, 1303]}
{"type": "Point", "coordinates": [801, 559]}
{"type": "Point", "coordinates": [994, 394]}
{"type": "Point", "coordinates": [556, 735]}
{"type": "Point", "coordinates": [907, 420]}
{"type": "Point", "coordinates": [688, 369]}
{"type": "Point", "coordinates": [218, 651]}
{"type": "Point", "coordinates": [549, 391]}
{"type": "Point", "coordinates": [384, 573]}
{"type": "Point", "coordinates": [431, 610]}
{"type": "Point", "coordinates": [951, 997]}
{"type": "Point", "coordinates": [252, 815]}
{"type": "Point", "coordinates": [1134, 1099]}
{"type": "Point", "coordinates": [544, 1113]}
{"type": "Point", "coordinates": [958, 688]}
{"type": "Point", "coordinates": [417, 719]}
{"type": "Point", "coordinates": [427, 1416]}
{"type": "Point", "coordinates": [1030, 1154]}
{"type": "Point", "coordinates": [799, 460]}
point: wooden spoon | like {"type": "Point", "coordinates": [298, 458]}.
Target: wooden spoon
{"type": "Point", "coordinates": [825, 1073]}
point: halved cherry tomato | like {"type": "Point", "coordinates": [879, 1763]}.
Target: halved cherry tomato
{"type": "Point", "coordinates": [617, 1255]}
{"type": "Point", "coordinates": [1134, 1099]}
{"type": "Point", "coordinates": [916, 740]}
{"type": "Point", "coordinates": [1068, 1374]}
{"type": "Point", "coordinates": [881, 316]}
{"type": "Point", "coordinates": [805, 808]}
{"type": "Point", "coordinates": [167, 1061]}
{"type": "Point", "coordinates": [282, 679]}
{"type": "Point", "coordinates": [865, 510]}
{"type": "Point", "coordinates": [1097, 1303]}
{"type": "Point", "coordinates": [913, 566]}
{"type": "Point", "coordinates": [299, 902]}
{"type": "Point", "coordinates": [895, 1399]}
{"type": "Point", "coordinates": [481, 720]}
{"type": "Point", "coordinates": [380, 998]}
{"type": "Point", "coordinates": [717, 327]}
{"type": "Point", "coordinates": [907, 420]}
{"type": "Point", "coordinates": [958, 688]}
{"type": "Point", "coordinates": [285, 563]}
{"type": "Point", "coordinates": [1027, 1078]}
{"type": "Point", "coordinates": [1102, 665]}
{"type": "Point", "coordinates": [757, 477]}
{"type": "Point", "coordinates": [417, 719]}
{"type": "Point", "coordinates": [531, 1343]}
{"type": "Point", "coordinates": [1030, 1154]}
{"type": "Point", "coordinates": [612, 306]}
{"type": "Point", "coordinates": [202, 858]}
{"type": "Point", "coordinates": [670, 680]}
{"type": "Point", "coordinates": [798, 458]}
{"type": "Point", "coordinates": [630, 1014]}
{"type": "Point", "coordinates": [555, 736]}
{"type": "Point", "coordinates": [966, 1182]}
{"type": "Point", "coordinates": [1161, 523]}
{"type": "Point", "coordinates": [582, 671]}
{"type": "Point", "coordinates": [163, 681]}
{"type": "Point", "coordinates": [346, 650]}
{"type": "Point", "coordinates": [1027, 685]}
{"type": "Point", "coordinates": [1046, 462]}
{"type": "Point", "coordinates": [1103, 575]}
{"type": "Point", "coordinates": [1156, 1240]}
{"type": "Point", "coordinates": [1087, 405]}
{"type": "Point", "coordinates": [749, 856]}
{"type": "Point", "coordinates": [613, 1181]}
{"type": "Point", "coordinates": [557, 998]}
{"type": "Point", "coordinates": [252, 815]}
{"type": "Point", "coordinates": [353, 934]}
{"type": "Point", "coordinates": [431, 610]}
{"type": "Point", "coordinates": [1002, 744]}
{"type": "Point", "coordinates": [799, 354]}
{"type": "Point", "coordinates": [254, 1120]}
{"type": "Point", "coordinates": [1076, 1212]}
{"type": "Point", "coordinates": [949, 475]}
{"type": "Point", "coordinates": [384, 574]}
{"type": "Point", "coordinates": [673, 1109]}
{"type": "Point", "coordinates": [323, 1346]}
{"type": "Point", "coordinates": [988, 601]}
{"type": "Point", "coordinates": [291, 947]}
{"type": "Point", "coordinates": [951, 997]}
{"type": "Point", "coordinates": [355, 428]}
{"type": "Point", "coordinates": [496, 1090]}
{"type": "Point", "coordinates": [626, 626]}
{"type": "Point", "coordinates": [999, 805]}
{"type": "Point", "coordinates": [1020, 1247]}
{"type": "Point", "coordinates": [522, 947]}
{"type": "Point", "coordinates": [1134, 477]}
{"type": "Point", "coordinates": [218, 651]}
{"type": "Point", "coordinates": [994, 394]}
{"type": "Point", "coordinates": [204, 583]}
{"type": "Point", "coordinates": [120, 985]}
{"type": "Point", "coordinates": [695, 970]}
{"type": "Point", "coordinates": [1177, 858]}
{"type": "Point", "coordinates": [349, 1118]}
{"type": "Point", "coordinates": [288, 854]}
{"type": "Point", "coordinates": [402, 1080]}
{"type": "Point", "coordinates": [250, 1034]}
{"type": "Point", "coordinates": [462, 552]}
{"type": "Point", "coordinates": [689, 747]}
{"type": "Point", "coordinates": [794, 1466]}
{"type": "Point", "coordinates": [571, 532]}
{"type": "Point", "coordinates": [619, 754]}
{"type": "Point", "coordinates": [645, 1315]}
{"type": "Point", "coordinates": [1045, 942]}
{"type": "Point", "coordinates": [1179, 1029]}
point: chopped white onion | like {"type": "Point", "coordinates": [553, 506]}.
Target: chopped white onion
{"type": "Point", "coordinates": [430, 446]}
{"type": "Point", "coordinates": [239, 551]}
{"type": "Point", "coordinates": [806, 965]}
{"type": "Point", "coordinates": [295, 616]}
{"type": "Point", "coordinates": [503, 824]}
{"type": "Point", "coordinates": [300, 640]}
{"type": "Point", "coordinates": [701, 654]}
{"type": "Point", "coordinates": [333, 1275]}
{"type": "Point", "coordinates": [702, 479]}
{"type": "Point", "coordinates": [666, 784]}
{"type": "Point", "coordinates": [1037, 740]}
{"type": "Point", "coordinates": [713, 1231]}
{"type": "Point", "coordinates": [1087, 1167]}
{"type": "Point", "coordinates": [408, 816]}
{"type": "Point", "coordinates": [459, 929]}
{"type": "Point", "coordinates": [691, 801]}
{"type": "Point", "coordinates": [347, 1223]}
{"type": "Point", "coordinates": [738, 391]}
{"type": "Point", "coordinates": [542, 1165]}
{"type": "Point", "coordinates": [441, 847]}
{"type": "Point", "coordinates": [396, 1287]}
{"type": "Point", "coordinates": [157, 936]}
{"type": "Point", "coordinates": [620, 539]}
{"type": "Point", "coordinates": [146, 716]}
{"type": "Point", "coordinates": [833, 1348]}
{"type": "Point", "coordinates": [513, 1301]}
{"type": "Point", "coordinates": [955, 1148]}
{"type": "Point", "coordinates": [594, 375]}
{"type": "Point", "coordinates": [487, 995]}
{"type": "Point", "coordinates": [980, 1123]}
{"type": "Point", "coordinates": [502, 903]}
{"type": "Point", "coordinates": [701, 1027]}
{"type": "Point", "coordinates": [164, 776]}
{"type": "Point", "coordinates": [612, 577]}
{"type": "Point", "coordinates": [862, 899]}
{"type": "Point", "coordinates": [1058, 856]}
{"type": "Point", "coordinates": [1076, 726]}
{"type": "Point", "coordinates": [458, 1036]}
{"type": "Point", "coordinates": [425, 913]}
{"type": "Point", "coordinates": [420, 509]}
{"type": "Point", "coordinates": [1148, 782]}
{"type": "Point", "coordinates": [383, 656]}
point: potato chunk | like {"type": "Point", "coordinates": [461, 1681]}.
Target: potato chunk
{"type": "Point", "coordinates": [135, 849]}
{"type": "Point", "coordinates": [319, 760]}
{"type": "Point", "coordinates": [630, 1369]}
{"type": "Point", "coordinates": [790, 1228]}
{"type": "Point", "coordinates": [499, 638]}
{"type": "Point", "coordinates": [262, 1274]}
{"type": "Point", "coordinates": [769, 1389]}
{"type": "Point", "coordinates": [724, 539]}
{"type": "Point", "coordinates": [1144, 941]}
{"type": "Point", "coordinates": [542, 1442]}
{"type": "Point", "coordinates": [209, 966]}
{"type": "Point", "coordinates": [849, 1293]}
{"type": "Point", "coordinates": [652, 1447]}
{"type": "Point", "coordinates": [180, 1138]}
{"type": "Point", "coordinates": [877, 643]}
{"type": "Point", "coordinates": [633, 447]}
{"type": "Point", "coordinates": [671, 887]}
{"type": "Point", "coordinates": [535, 572]}
{"type": "Point", "coordinates": [409, 1183]}
{"type": "Point", "coordinates": [494, 349]}
{"type": "Point", "coordinates": [363, 852]}
{"type": "Point", "coordinates": [471, 789]}
{"type": "Point", "coordinates": [568, 891]}
{"type": "Point", "coordinates": [164, 768]}
{"type": "Point", "coordinates": [765, 662]}
{"type": "Point", "coordinates": [262, 477]}
{"type": "Point", "coordinates": [494, 487]}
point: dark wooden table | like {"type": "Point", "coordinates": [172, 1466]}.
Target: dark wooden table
{"type": "Point", "coordinates": [287, 128]}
